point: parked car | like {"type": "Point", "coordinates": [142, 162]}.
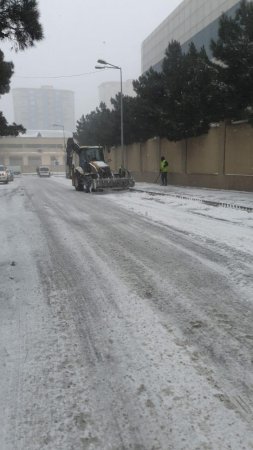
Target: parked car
{"type": "Point", "coordinates": [4, 175]}
{"type": "Point", "coordinates": [44, 171]}
{"type": "Point", "coordinates": [10, 175]}
{"type": "Point", "coordinates": [16, 170]}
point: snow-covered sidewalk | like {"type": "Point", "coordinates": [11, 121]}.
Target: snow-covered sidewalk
{"type": "Point", "coordinates": [214, 197]}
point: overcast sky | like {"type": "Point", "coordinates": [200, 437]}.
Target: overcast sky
{"type": "Point", "coordinates": [79, 32]}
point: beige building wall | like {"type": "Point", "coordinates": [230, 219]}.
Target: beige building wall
{"type": "Point", "coordinates": [221, 159]}
{"type": "Point", "coordinates": [150, 155]}
{"type": "Point", "coordinates": [204, 153]}
{"type": "Point", "coordinates": [239, 150]}
{"type": "Point", "coordinates": [174, 152]}
{"type": "Point", "coordinates": [113, 157]}
{"type": "Point", "coordinates": [28, 153]}
{"type": "Point", "coordinates": [133, 158]}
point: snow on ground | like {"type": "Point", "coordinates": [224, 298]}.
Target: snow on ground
{"type": "Point", "coordinates": [228, 230]}
{"type": "Point", "coordinates": [54, 399]}
{"type": "Point", "coordinates": [231, 197]}
{"type": "Point", "coordinates": [229, 226]}
{"type": "Point", "coordinates": [182, 210]}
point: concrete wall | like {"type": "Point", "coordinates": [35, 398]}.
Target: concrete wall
{"type": "Point", "coordinates": [175, 153]}
{"type": "Point", "coordinates": [239, 150]}
{"type": "Point", "coordinates": [133, 158]}
{"type": "Point", "coordinates": [222, 159]}
{"type": "Point", "coordinates": [205, 154]}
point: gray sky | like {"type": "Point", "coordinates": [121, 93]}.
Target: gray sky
{"type": "Point", "coordinates": [79, 32]}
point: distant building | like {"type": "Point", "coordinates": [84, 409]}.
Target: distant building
{"type": "Point", "coordinates": [110, 89]}
{"type": "Point", "coordinates": [34, 149]}
{"type": "Point", "coordinates": [192, 20]}
{"type": "Point", "coordinates": [40, 109]}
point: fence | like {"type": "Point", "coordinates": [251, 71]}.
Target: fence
{"type": "Point", "coordinates": [222, 159]}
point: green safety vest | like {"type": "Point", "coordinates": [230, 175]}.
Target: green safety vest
{"type": "Point", "coordinates": [164, 166]}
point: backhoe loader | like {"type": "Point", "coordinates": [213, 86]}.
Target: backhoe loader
{"type": "Point", "coordinates": [86, 167]}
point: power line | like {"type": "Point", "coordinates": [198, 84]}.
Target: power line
{"type": "Point", "coordinates": [58, 76]}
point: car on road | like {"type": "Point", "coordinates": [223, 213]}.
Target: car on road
{"type": "Point", "coordinates": [3, 175]}
{"type": "Point", "coordinates": [10, 175]}
{"type": "Point", "coordinates": [44, 171]}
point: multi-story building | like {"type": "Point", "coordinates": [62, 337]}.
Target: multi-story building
{"type": "Point", "coordinates": [42, 108]}
{"type": "Point", "coordinates": [110, 89]}
{"type": "Point", "coordinates": [192, 20]}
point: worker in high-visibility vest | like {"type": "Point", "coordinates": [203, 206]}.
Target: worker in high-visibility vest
{"type": "Point", "coordinates": [164, 170]}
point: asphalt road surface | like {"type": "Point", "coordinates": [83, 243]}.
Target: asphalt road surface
{"type": "Point", "coordinates": [119, 332]}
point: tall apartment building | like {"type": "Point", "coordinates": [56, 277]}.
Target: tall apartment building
{"type": "Point", "coordinates": [110, 89]}
{"type": "Point", "coordinates": [192, 20]}
{"type": "Point", "coordinates": [41, 108]}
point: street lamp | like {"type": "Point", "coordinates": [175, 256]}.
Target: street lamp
{"type": "Point", "coordinates": [106, 65]}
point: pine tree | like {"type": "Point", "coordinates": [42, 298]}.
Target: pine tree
{"type": "Point", "coordinates": [189, 81]}
{"type": "Point", "coordinates": [233, 51]}
{"type": "Point", "coordinates": [149, 105]}
{"type": "Point", "coordinates": [9, 130]}
{"type": "Point", "coordinates": [19, 23]}
{"type": "Point", "coordinates": [96, 128]}
{"type": "Point", "coordinates": [6, 72]}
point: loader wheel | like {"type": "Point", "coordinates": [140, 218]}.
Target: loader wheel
{"type": "Point", "coordinates": [88, 186]}
{"type": "Point", "coordinates": [77, 184]}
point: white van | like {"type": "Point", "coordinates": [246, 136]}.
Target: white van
{"type": "Point", "coordinates": [44, 171]}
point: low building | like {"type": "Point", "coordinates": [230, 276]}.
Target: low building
{"type": "Point", "coordinates": [30, 151]}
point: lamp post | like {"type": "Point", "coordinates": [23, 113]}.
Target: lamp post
{"type": "Point", "coordinates": [106, 65]}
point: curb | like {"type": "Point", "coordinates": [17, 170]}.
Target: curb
{"type": "Point", "coordinates": [195, 199]}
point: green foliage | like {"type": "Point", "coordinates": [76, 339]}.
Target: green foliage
{"type": "Point", "coordinates": [177, 103]}
{"type": "Point", "coordinates": [150, 92]}
{"type": "Point", "coordinates": [233, 51]}
{"type": "Point", "coordinates": [135, 125]}
{"type": "Point", "coordinates": [19, 23]}
{"type": "Point", "coordinates": [180, 100]}
{"type": "Point", "coordinates": [6, 71]}
{"type": "Point", "coordinates": [96, 128]}
{"type": "Point", "coordinates": [189, 93]}
{"type": "Point", "coordinates": [9, 130]}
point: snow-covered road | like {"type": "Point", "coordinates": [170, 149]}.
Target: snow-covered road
{"type": "Point", "coordinates": [126, 321]}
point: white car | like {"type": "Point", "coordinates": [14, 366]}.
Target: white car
{"type": "Point", "coordinates": [44, 171]}
{"type": "Point", "coordinates": [10, 175]}
{"type": "Point", "coordinates": [4, 175]}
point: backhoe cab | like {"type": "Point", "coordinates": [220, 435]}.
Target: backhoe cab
{"type": "Point", "coordinates": [88, 170]}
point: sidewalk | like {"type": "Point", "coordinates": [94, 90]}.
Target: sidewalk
{"type": "Point", "coordinates": [215, 197]}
